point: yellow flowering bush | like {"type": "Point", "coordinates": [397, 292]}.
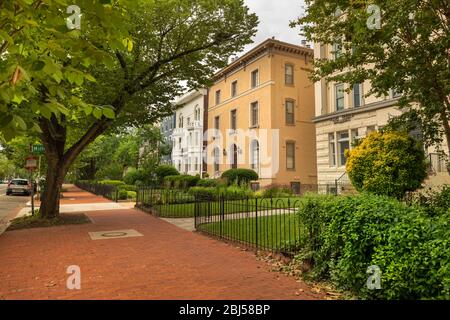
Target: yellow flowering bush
{"type": "Point", "coordinates": [389, 163]}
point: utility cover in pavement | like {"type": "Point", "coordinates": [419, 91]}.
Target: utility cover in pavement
{"type": "Point", "coordinates": [114, 234]}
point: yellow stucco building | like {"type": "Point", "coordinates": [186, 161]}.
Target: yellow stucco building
{"type": "Point", "coordinates": [260, 115]}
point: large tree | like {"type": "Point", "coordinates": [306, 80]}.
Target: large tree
{"type": "Point", "coordinates": [123, 67]}
{"type": "Point", "coordinates": [400, 45]}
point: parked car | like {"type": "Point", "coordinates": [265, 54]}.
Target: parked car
{"type": "Point", "coordinates": [21, 186]}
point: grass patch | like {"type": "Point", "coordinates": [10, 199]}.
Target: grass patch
{"type": "Point", "coordinates": [279, 232]}
{"type": "Point", "coordinates": [36, 221]}
{"type": "Point", "coordinates": [187, 210]}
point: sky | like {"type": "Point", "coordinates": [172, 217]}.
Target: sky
{"type": "Point", "coordinates": [274, 17]}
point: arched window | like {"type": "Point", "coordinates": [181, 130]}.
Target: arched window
{"type": "Point", "coordinates": [180, 121]}
{"type": "Point", "coordinates": [254, 155]}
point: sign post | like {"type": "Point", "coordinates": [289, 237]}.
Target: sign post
{"type": "Point", "coordinates": [31, 165]}
{"type": "Point", "coordinates": [39, 150]}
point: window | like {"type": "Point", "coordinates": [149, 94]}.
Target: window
{"type": "Point", "coordinates": [216, 159]}
{"type": "Point", "coordinates": [234, 89]}
{"type": "Point", "coordinates": [233, 156]}
{"type": "Point", "coordinates": [343, 144]}
{"type": "Point", "coordinates": [188, 121]}
{"type": "Point", "coordinates": [217, 123]}
{"type": "Point", "coordinates": [197, 114]}
{"type": "Point", "coordinates": [180, 121]}
{"type": "Point", "coordinates": [370, 129]}
{"type": "Point", "coordinates": [179, 143]}
{"type": "Point", "coordinates": [233, 119]}
{"type": "Point", "coordinates": [357, 95]}
{"type": "Point", "coordinates": [255, 78]}
{"type": "Point", "coordinates": [289, 74]}
{"type": "Point", "coordinates": [332, 149]}
{"type": "Point", "coordinates": [254, 114]}
{"type": "Point", "coordinates": [337, 49]}
{"type": "Point", "coordinates": [217, 97]}
{"type": "Point", "coordinates": [339, 94]}
{"type": "Point", "coordinates": [255, 155]}
{"type": "Point", "coordinates": [289, 112]}
{"type": "Point", "coordinates": [290, 155]}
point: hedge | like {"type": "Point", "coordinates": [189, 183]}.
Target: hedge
{"type": "Point", "coordinates": [342, 236]}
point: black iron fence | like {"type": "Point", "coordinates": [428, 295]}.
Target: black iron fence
{"type": "Point", "coordinates": [104, 190]}
{"type": "Point", "coordinates": [269, 224]}
{"type": "Point", "coordinates": [261, 223]}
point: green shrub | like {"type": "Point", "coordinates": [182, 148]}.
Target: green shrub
{"type": "Point", "coordinates": [204, 192]}
{"type": "Point", "coordinates": [127, 187]}
{"type": "Point", "coordinates": [180, 181]}
{"type": "Point", "coordinates": [342, 236]}
{"type": "Point", "coordinates": [122, 194]}
{"type": "Point", "coordinates": [277, 191]}
{"type": "Point", "coordinates": [131, 195]}
{"type": "Point", "coordinates": [112, 182]}
{"type": "Point", "coordinates": [239, 176]}
{"type": "Point", "coordinates": [211, 183]}
{"type": "Point", "coordinates": [390, 163]}
{"type": "Point", "coordinates": [133, 175]}
{"type": "Point", "coordinates": [164, 171]}
{"type": "Point", "coordinates": [236, 192]}
{"type": "Point", "coordinates": [435, 201]}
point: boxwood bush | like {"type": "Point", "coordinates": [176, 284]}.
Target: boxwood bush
{"type": "Point", "coordinates": [164, 171]}
{"type": "Point", "coordinates": [342, 236]}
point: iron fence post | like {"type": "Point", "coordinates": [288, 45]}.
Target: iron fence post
{"type": "Point", "coordinates": [256, 223]}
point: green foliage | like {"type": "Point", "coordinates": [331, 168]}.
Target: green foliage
{"type": "Point", "coordinates": [210, 183]}
{"type": "Point", "coordinates": [122, 194]}
{"type": "Point", "coordinates": [133, 175]}
{"type": "Point", "coordinates": [112, 182]}
{"type": "Point", "coordinates": [165, 170]}
{"type": "Point", "coordinates": [111, 171]}
{"type": "Point", "coordinates": [180, 181]}
{"type": "Point", "coordinates": [412, 33]}
{"type": "Point", "coordinates": [239, 176]}
{"type": "Point", "coordinates": [276, 191]}
{"type": "Point", "coordinates": [389, 163]}
{"type": "Point", "coordinates": [436, 202]}
{"type": "Point", "coordinates": [342, 236]}
{"type": "Point", "coordinates": [127, 187]}
{"type": "Point", "coordinates": [204, 192]}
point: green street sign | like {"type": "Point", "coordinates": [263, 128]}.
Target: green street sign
{"type": "Point", "coordinates": [37, 149]}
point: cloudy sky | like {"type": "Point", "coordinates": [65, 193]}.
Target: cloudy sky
{"type": "Point", "coordinates": [274, 17]}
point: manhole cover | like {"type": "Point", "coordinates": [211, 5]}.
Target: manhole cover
{"type": "Point", "coordinates": [114, 234]}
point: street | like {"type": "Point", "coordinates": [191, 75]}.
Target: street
{"type": "Point", "coordinates": [9, 203]}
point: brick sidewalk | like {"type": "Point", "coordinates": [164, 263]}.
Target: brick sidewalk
{"type": "Point", "coordinates": [166, 263]}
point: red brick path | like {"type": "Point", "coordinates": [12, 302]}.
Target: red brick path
{"type": "Point", "coordinates": [166, 263]}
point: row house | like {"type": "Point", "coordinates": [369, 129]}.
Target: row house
{"type": "Point", "coordinates": [187, 136]}
{"type": "Point", "coordinates": [344, 114]}
{"type": "Point", "coordinates": [260, 115]}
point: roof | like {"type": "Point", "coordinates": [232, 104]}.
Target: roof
{"type": "Point", "coordinates": [267, 45]}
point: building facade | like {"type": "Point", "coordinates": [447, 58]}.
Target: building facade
{"type": "Point", "coordinates": [260, 115]}
{"type": "Point", "coordinates": [166, 126]}
{"type": "Point", "coordinates": [187, 136]}
{"type": "Point", "coordinates": [345, 114]}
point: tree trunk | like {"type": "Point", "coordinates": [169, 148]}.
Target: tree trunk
{"type": "Point", "coordinates": [50, 199]}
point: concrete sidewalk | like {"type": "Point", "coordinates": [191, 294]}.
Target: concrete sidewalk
{"type": "Point", "coordinates": [128, 254]}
